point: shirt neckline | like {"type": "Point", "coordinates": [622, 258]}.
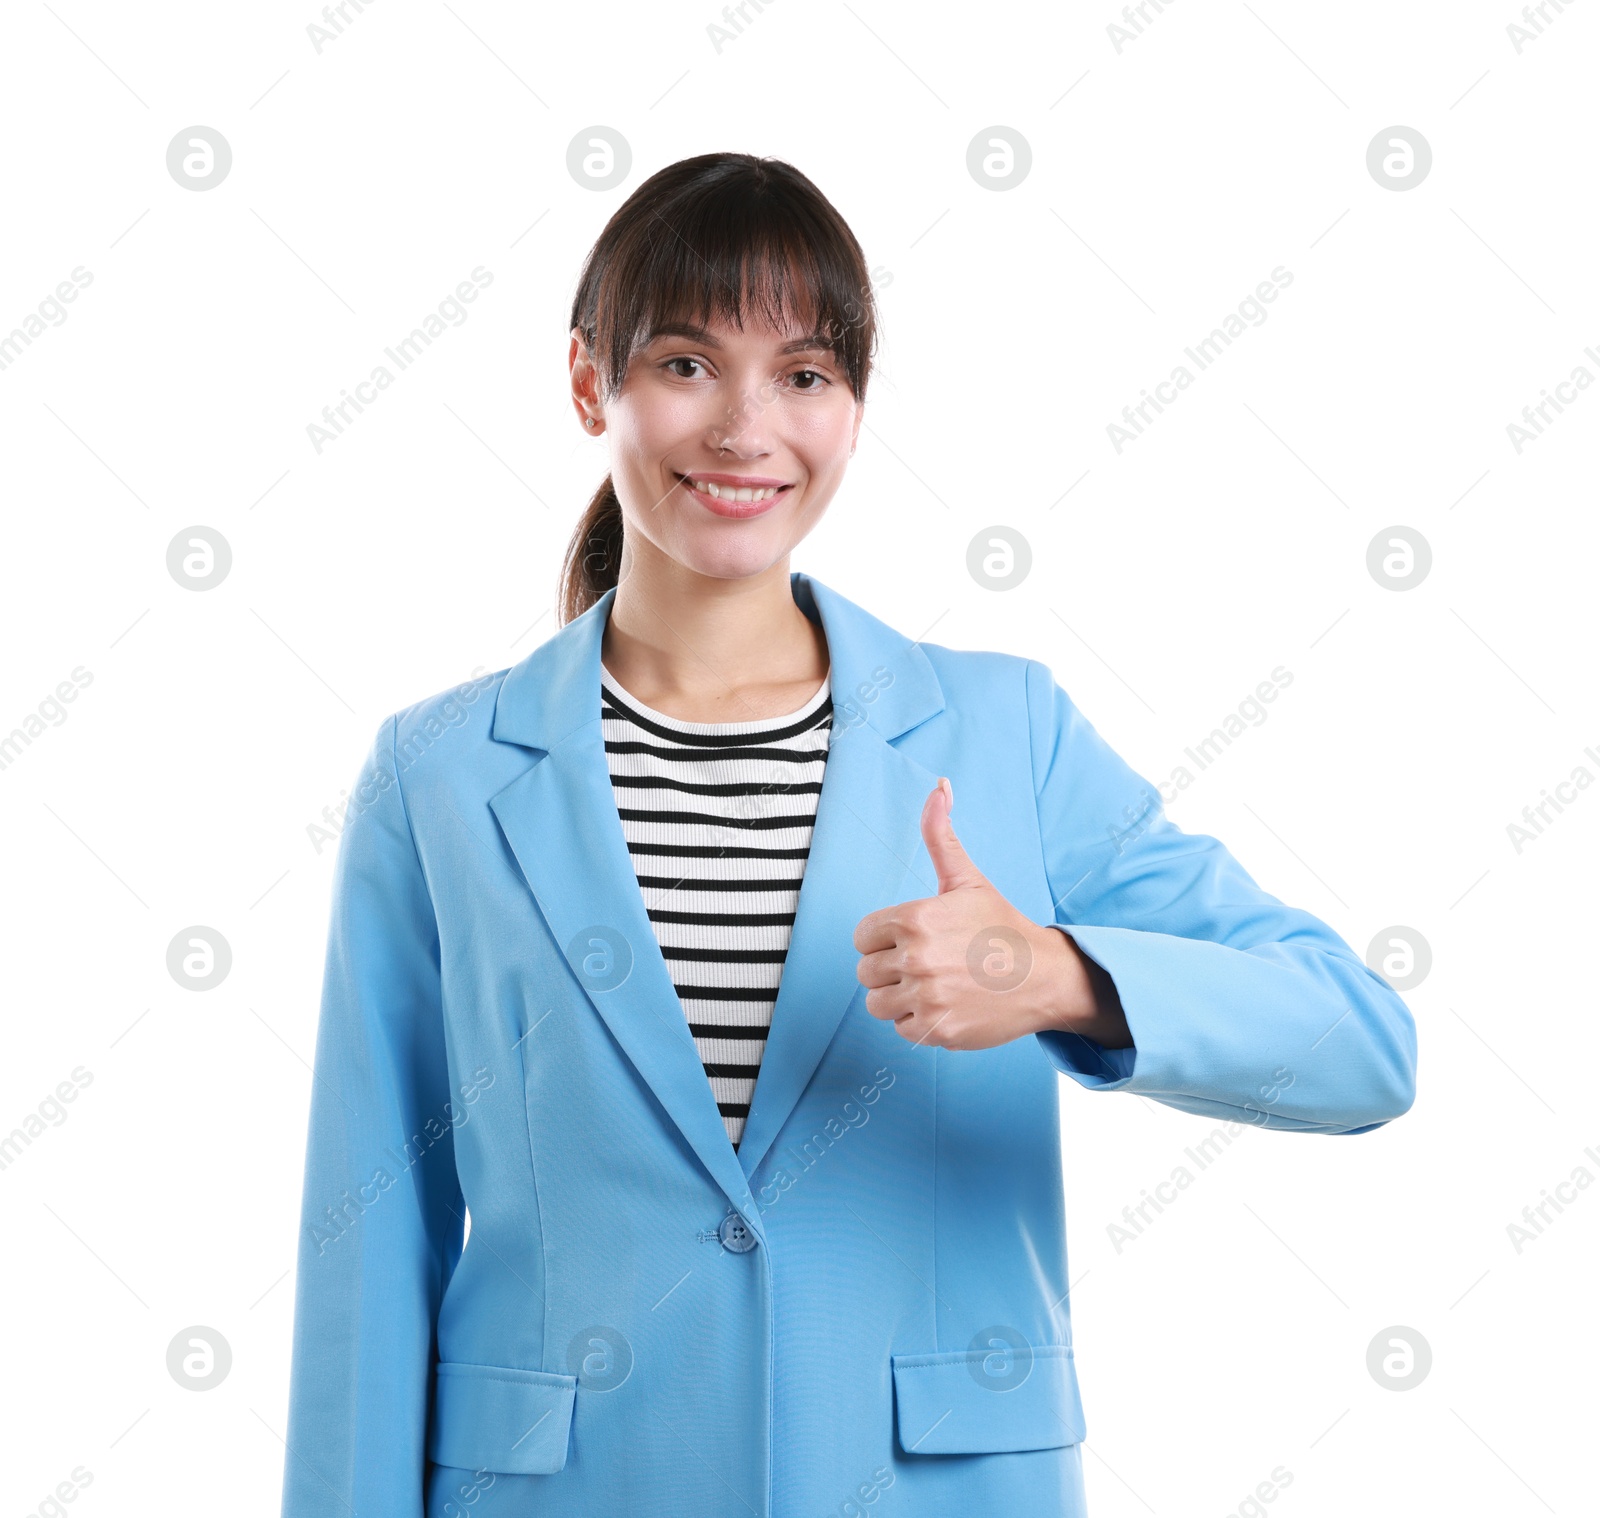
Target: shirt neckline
{"type": "Point", "coordinates": [714, 729]}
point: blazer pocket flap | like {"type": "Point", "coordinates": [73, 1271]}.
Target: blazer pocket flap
{"type": "Point", "coordinates": [492, 1417]}
{"type": "Point", "coordinates": [976, 1401]}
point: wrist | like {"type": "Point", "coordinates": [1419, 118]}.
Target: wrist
{"type": "Point", "coordinates": [1066, 999]}
{"type": "Point", "coordinates": [1077, 995]}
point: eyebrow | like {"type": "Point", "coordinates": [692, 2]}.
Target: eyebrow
{"type": "Point", "coordinates": [814, 344]}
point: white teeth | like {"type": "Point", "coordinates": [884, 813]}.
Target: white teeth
{"type": "Point", "coordinates": [730, 493]}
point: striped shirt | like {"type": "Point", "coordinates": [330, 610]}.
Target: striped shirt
{"type": "Point", "coordinates": [718, 819]}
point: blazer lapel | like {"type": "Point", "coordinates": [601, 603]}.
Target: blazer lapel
{"type": "Point", "coordinates": [560, 819]}
{"type": "Point", "coordinates": [864, 844]}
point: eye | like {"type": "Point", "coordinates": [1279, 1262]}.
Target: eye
{"type": "Point", "coordinates": [682, 359]}
{"type": "Point", "coordinates": [822, 379]}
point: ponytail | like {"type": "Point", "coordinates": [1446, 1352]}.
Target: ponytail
{"type": "Point", "coordinates": [594, 556]}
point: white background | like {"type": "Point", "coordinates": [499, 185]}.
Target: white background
{"type": "Point", "coordinates": [1167, 180]}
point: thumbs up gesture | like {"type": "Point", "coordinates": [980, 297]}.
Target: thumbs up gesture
{"type": "Point", "coordinates": [966, 970]}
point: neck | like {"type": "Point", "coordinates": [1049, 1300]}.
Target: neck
{"type": "Point", "coordinates": [704, 648]}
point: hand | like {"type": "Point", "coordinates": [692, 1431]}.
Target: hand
{"type": "Point", "coordinates": [966, 970]}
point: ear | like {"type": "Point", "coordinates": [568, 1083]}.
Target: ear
{"type": "Point", "coordinates": [585, 386]}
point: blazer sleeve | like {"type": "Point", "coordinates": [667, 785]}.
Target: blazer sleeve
{"type": "Point", "coordinates": [382, 1212]}
{"type": "Point", "coordinates": [1240, 1007]}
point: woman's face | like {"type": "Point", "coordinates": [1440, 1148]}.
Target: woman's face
{"type": "Point", "coordinates": [763, 417]}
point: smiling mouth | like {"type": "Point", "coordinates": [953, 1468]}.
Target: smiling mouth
{"type": "Point", "coordinates": [729, 500]}
{"type": "Point", "coordinates": [722, 491]}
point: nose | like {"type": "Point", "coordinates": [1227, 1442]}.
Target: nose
{"type": "Point", "coordinates": [742, 429]}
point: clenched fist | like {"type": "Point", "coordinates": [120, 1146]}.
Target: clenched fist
{"type": "Point", "coordinates": [966, 970]}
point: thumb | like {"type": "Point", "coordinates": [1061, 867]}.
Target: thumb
{"type": "Point", "coordinates": [950, 860]}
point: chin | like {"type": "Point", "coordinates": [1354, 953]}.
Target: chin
{"type": "Point", "coordinates": [734, 561]}
{"type": "Point", "coordinates": [742, 570]}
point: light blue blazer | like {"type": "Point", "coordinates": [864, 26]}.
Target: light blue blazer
{"type": "Point", "coordinates": [864, 1309]}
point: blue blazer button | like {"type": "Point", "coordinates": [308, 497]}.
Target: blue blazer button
{"type": "Point", "coordinates": [735, 1234]}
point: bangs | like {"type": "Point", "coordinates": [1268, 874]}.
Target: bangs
{"type": "Point", "coordinates": [744, 249]}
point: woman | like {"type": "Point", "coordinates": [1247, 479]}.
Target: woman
{"type": "Point", "coordinates": [657, 952]}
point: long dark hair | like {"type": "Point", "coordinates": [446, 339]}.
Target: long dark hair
{"type": "Point", "coordinates": [699, 240]}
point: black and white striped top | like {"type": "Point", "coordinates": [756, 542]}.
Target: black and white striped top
{"type": "Point", "coordinates": [718, 819]}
